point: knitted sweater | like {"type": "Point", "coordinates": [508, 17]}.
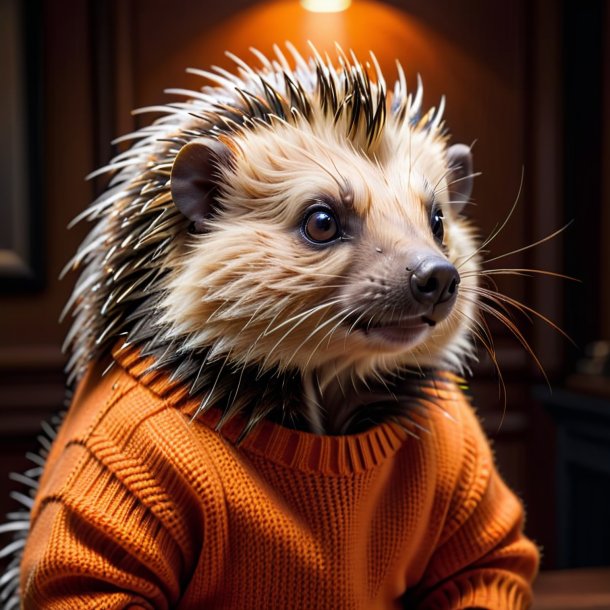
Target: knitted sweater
{"type": "Point", "coordinates": [140, 507]}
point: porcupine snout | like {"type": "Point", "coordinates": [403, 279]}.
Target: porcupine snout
{"type": "Point", "coordinates": [434, 283]}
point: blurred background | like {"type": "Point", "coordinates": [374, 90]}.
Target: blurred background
{"type": "Point", "coordinates": [528, 80]}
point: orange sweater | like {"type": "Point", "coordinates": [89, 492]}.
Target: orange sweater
{"type": "Point", "coordinates": [138, 508]}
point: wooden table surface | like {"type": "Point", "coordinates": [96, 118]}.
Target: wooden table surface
{"type": "Point", "coordinates": [582, 589]}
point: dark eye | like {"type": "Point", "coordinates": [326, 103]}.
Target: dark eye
{"type": "Point", "coordinates": [320, 226]}
{"type": "Point", "coordinates": [436, 224]}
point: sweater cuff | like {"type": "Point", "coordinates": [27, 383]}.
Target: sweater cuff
{"type": "Point", "coordinates": [489, 590]}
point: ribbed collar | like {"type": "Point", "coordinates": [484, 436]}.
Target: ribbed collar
{"type": "Point", "coordinates": [332, 455]}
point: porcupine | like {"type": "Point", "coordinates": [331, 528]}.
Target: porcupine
{"type": "Point", "coordinates": [288, 246]}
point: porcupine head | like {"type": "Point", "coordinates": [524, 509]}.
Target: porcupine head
{"type": "Point", "coordinates": [287, 242]}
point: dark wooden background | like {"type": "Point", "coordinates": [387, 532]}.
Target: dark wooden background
{"type": "Point", "coordinates": [527, 79]}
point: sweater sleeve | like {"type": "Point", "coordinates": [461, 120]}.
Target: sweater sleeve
{"type": "Point", "coordinates": [482, 559]}
{"type": "Point", "coordinates": [106, 529]}
{"type": "Point", "coordinates": [76, 559]}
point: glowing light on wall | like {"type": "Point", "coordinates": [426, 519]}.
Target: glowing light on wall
{"type": "Point", "coordinates": [325, 6]}
{"type": "Point", "coordinates": [367, 25]}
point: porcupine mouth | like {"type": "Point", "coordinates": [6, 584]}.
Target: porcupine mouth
{"type": "Point", "coordinates": [395, 334]}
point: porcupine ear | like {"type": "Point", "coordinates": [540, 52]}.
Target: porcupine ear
{"type": "Point", "coordinates": [194, 178]}
{"type": "Point", "coordinates": [460, 177]}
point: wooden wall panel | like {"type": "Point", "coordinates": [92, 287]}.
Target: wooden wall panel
{"type": "Point", "coordinates": [31, 379]}
{"type": "Point", "coordinates": [605, 276]}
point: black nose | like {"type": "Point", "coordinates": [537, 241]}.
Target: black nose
{"type": "Point", "coordinates": [434, 281]}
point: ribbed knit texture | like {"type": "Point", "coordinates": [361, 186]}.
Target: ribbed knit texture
{"type": "Point", "coordinates": [140, 508]}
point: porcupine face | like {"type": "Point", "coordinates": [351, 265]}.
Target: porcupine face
{"type": "Point", "coordinates": [325, 239]}
{"type": "Point", "coordinates": [320, 255]}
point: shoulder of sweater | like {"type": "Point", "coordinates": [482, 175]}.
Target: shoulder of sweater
{"type": "Point", "coordinates": [117, 404]}
{"type": "Point", "coordinates": [127, 464]}
{"type": "Point", "coordinates": [466, 460]}
{"type": "Point", "coordinates": [118, 430]}
{"type": "Point", "coordinates": [452, 422]}
{"type": "Point", "coordinates": [457, 444]}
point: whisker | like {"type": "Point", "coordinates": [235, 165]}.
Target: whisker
{"type": "Point", "coordinates": [481, 292]}
{"type": "Point", "coordinates": [304, 314]}
{"type": "Point", "coordinates": [497, 230]}
{"type": "Point", "coordinates": [351, 328]}
{"type": "Point", "coordinates": [523, 308]}
{"type": "Point", "coordinates": [530, 246]}
{"type": "Point", "coordinates": [460, 179]}
{"type": "Point", "coordinates": [299, 321]}
{"type": "Point", "coordinates": [486, 340]}
{"type": "Point", "coordinates": [275, 317]}
{"type": "Point", "coordinates": [313, 332]}
{"type": "Point", "coordinates": [349, 313]}
{"type": "Point", "coordinates": [512, 327]}
{"type": "Point", "coordinates": [254, 316]}
{"type": "Point", "coordinates": [519, 272]}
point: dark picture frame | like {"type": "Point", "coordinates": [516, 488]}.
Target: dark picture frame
{"type": "Point", "coordinates": [21, 169]}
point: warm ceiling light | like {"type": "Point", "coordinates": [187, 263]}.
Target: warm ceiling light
{"type": "Point", "coordinates": [325, 6]}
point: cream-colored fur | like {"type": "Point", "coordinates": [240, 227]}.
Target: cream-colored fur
{"type": "Point", "coordinates": [255, 291]}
